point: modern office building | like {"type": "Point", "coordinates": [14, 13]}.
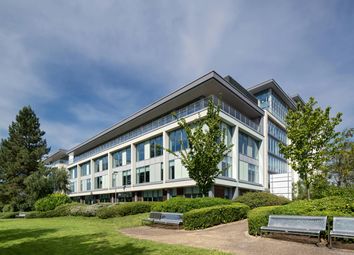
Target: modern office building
{"type": "Point", "coordinates": [126, 162]}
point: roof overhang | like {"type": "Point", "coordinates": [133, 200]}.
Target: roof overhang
{"type": "Point", "coordinates": [60, 154]}
{"type": "Point", "coordinates": [209, 84]}
{"type": "Point", "coordinates": [272, 84]}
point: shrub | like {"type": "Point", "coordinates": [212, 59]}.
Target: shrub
{"type": "Point", "coordinates": [182, 205]}
{"type": "Point", "coordinates": [214, 215]}
{"type": "Point", "coordinates": [124, 209]}
{"type": "Point", "coordinates": [258, 199]}
{"type": "Point", "coordinates": [51, 201]}
{"type": "Point", "coordinates": [259, 217]}
{"type": "Point", "coordinates": [329, 206]}
{"type": "Point", "coordinates": [8, 215]}
{"type": "Point", "coordinates": [72, 209]}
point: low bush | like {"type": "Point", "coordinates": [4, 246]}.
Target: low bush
{"type": "Point", "coordinates": [258, 199]}
{"type": "Point", "coordinates": [182, 205]}
{"type": "Point", "coordinates": [120, 210]}
{"type": "Point", "coordinates": [214, 215]}
{"type": "Point", "coordinates": [329, 206]}
{"type": "Point", "coordinates": [7, 208]}
{"type": "Point", "coordinates": [8, 215]}
{"type": "Point", "coordinates": [72, 209]}
{"type": "Point", "coordinates": [51, 201]}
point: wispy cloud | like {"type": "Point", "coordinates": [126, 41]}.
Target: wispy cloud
{"type": "Point", "coordinates": [85, 66]}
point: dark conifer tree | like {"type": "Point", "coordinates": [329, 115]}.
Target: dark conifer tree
{"type": "Point", "coordinates": [20, 156]}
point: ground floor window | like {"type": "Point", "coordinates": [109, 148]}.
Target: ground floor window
{"type": "Point", "coordinates": [192, 192]}
{"type": "Point", "coordinates": [152, 195]}
{"type": "Point", "coordinates": [85, 185]}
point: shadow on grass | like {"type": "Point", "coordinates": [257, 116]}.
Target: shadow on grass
{"type": "Point", "coordinates": [75, 244]}
{"type": "Point", "coordinates": [16, 234]}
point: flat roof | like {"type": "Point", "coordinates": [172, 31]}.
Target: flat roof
{"type": "Point", "coordinates": [171, 98]}
{"type": "Point", "coordinates": [60, 154]}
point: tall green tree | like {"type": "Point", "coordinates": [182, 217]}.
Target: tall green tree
{"type": "Point", "coordinates": [313, 138]}
{"type": "Point", "coordinates": [341, 166]}
{"type": "Point", "coordinates": [207, 148]}
{"type": "Point", "coordinates": [45, 181]}
{"type": "Point", "coordinates": [20, 156]}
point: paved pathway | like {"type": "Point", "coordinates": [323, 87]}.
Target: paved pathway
{"type": "Point", "coordinates": [233, 238]}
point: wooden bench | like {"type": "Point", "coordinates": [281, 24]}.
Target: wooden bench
{"type": "Point", "coordinates": [343, 227]}
{"type": "Point", "coordinates": [164, 218]}
{"type": "Point", "coordinates": [296, 225]}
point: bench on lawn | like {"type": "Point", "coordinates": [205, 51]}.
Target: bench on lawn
{"type": "Point", "coordinates": [20, 215]}
{"type": "Point", "coordinates": [343, 227]}
{"type": "Point", "coordinates": [296, 225]}
{"type": "Point", "coordinates": [164, 218]}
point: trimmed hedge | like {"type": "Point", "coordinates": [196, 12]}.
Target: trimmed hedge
{"type": "Point", "coordinates": [72, 209]}
{"type": "Point", "coordinates": [182, 205]}
{"type": "Point", "coordinates": [329, 206]}
{"type": "Point", "coordinates": [214, 215]}
{"type": "Point", "coordinates": [129, 208]}
{"type": "Point", "coordinates": [258, 199]}
{"type": "Point", "coordinates": [51, 201]}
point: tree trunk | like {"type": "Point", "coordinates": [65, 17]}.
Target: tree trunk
{"type": "Point", "coordinates": [308, 191]}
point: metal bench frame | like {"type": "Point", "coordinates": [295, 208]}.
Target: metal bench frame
{"type": "Point", "coordinates": [294, 230]}
{"type": "Point", "coordinates": [347, 233]}
{"type": "Point", "coordinates": [163, 218]}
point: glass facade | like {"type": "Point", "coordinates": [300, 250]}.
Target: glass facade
{"type": "Point", "coordinates": [85, 184]}
{"type": "Point", "coordinates": [156, 147]}
{"type": "Point", "coordinates": [248, 172]}
{"type": "Point", "coordinates": [178, 140]}
{"type": "Point", "coordinates": [192, 192]}
{"type": "Point", "coordinates": [99, 182]}
{"type": "Point", "coordinates": [143, 174]}
{"type": "Point", "coordinates": [126, 178]}
{"type": "Point", "coordinates": [140, 152]}
{"type": "Point", "coordinates": [248, 146]}
{"type": "Point", "coordinates": [171, 170]}
{"type": "Point", "coordinates": [73, 187]}
{"type": "Point", "coordinates": [269, 100]}
{"type": "Point", "coordinates": [85, 169]}
{"type": "Point", "coordinates": [152, 195]}
{"type": "Point", "coordinates": [73, 172]}
{"type": "Point", "coordinates": [121, 157]}
{"type": "Point", "coordinates": [276, 161]}
{"type": "Point", "coordinates": [101, 164]}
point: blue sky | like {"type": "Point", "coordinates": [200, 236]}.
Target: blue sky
{"type": "Point", "coordinates": [85, 65]}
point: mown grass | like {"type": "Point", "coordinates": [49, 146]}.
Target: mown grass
{"type": "Point", "coordinates": [80, 235]}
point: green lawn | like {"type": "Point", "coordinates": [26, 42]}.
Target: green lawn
{"type": "Point", "coordinates": [80, 235]}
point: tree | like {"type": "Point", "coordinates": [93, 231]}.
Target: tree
{"type": "Point", "coordinates": [341, 166]}
{"type": "Point", "coordinates": [207, 148]}
{"type": "Point", "coordinates": [313, 140]}
{"type": "Point", "coordinates": [20, 156]}
{"type": "Point", "coordinates": [45, 181]}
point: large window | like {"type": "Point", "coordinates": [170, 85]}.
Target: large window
{"type": "Point", "coordinates": [99, 182]}
{"type": "Point", "coordinates": [85, 169]}
{"type": "Point", "coordinates": [277, 165]}
{"type": "Point", "coordinates": [73, 186]}
{"type": "Point", "coordinates": [276, 132]}
{"type": "Point", "coordinates": [156, 147]}
{"type": "Point", "coordinates": [274, 148]}
{"type": "Point", "coordinates": [73, 172]}
{"type": "Point", "coordinates": [178, 140]}
{"type": "Point", "coordinates": [225, 166]}
{"type": "Point", "coordinates": [101, 164]}
{"type": "Point", "coordinates": [248, 146]}
{"type": "Point", "coordinates": [140, 152]}
{"type": "Point", "coordinates": [85, 185]}
{"type": "Point", "coordinates": [248, 172]}
{"type": "Point", "coordinates": [192, 192]}
{"type": "Point", "coordinates": [152, 195]}
{"type": "Point", "coordinates": [278, 108]}
{"type": "Point", "coordinates": [171, 170]}
{"type": "Point", "coordinates": [143, 174]}
{"type": "Point", "coordinates": [263, 99]}
{"type": "Point", "coordinates": [121, 157]}
{"type": "Point", "coordinates": [126, 177]}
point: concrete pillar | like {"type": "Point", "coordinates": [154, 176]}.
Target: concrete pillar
{"type": "Point", "coordinates": [133, 165]}
{"type": "Point", "coordinates": [236, 193]}
{"type": "Point", "coordinates": [110, 170]}
{"type": "Point", "coordinates": [234, 153]}
{"type": "Point", "coordinates": [78, 178]}
{"type": "Point", "coordinates": [211, 192]}
{"type": "Point", "coordinates": [165, 143]}
{"type": "Point", "coordinates": [92, 168]}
